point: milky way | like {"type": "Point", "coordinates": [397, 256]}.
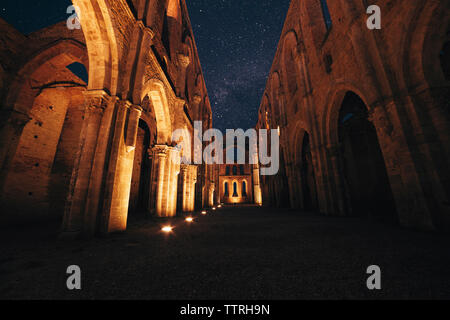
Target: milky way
{"type": "Point", "coordinates": [236, 41]}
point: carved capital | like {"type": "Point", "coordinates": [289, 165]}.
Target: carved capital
{"type": "Point", "coordinates": [96, 99]}
{"type": "Point", "coordinates": [146, 29]}
{"type": "Point", "coordinates": [183, 60]}
{"type": "Point", "coordinates": [160, 150]}
{"type": "Point", "coordinates": [197, 99]}
{"type": "Point", "coordinates": [179, 103]}
{"type": "Point", "coordinates": [137, 108]}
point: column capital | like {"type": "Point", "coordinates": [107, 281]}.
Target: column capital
{"type": "Point", "coordinates": [197, 99]}
{"type": "Point", "coordinates": [137, 108]}
{"type": "Point", "coordinates": [160, 150]}
{"type": "Point", "coordinates": [146, 29]}
{"type": "Point", "coordinates": [183, 60]}
{"type": "Point", "coordinates": [97, 99]}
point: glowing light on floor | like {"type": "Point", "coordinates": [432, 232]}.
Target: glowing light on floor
{"type": "Point", "coordinates": [204, 213]}
{"type": "Point", "coordinates": [189, 219]}
{"type": "Point", "coordinates": [214, 208]}
{"type": "Point", "coordinates": [219, 206]}
{"type": "Point", "coordinates": [167, 229]}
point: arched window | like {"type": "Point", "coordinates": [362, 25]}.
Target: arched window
{"type": "Point", "coordinates": [227, 171]}
{"type": "Point", "coordinates": [235, 192]}
{"type": "Point", "coordinates": [79, 70]}
{"type": "Point", "coordinates": [244, 189]}
{"type": "Point", "coordinates": [227, 191]}
{"type": "Point", "coordinates": [242, 169]}
{"type": "Point", "coordinates": [235, 171]}
{"type": "Point", "coordinates": [326, 14]}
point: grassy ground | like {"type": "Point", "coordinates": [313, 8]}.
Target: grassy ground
{"type": "Point", "coordinates": [234, 253]}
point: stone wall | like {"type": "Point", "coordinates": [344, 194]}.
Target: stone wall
{"type": "Point", "coordinates": [397, 74]}
{"type": "Point", "coordinates": [144, 74]}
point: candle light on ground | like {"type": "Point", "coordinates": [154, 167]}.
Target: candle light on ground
{"type": "Point", "coordinates": [167, 229]}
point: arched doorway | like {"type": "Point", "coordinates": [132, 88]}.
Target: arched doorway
{"type": "Point", "coordinates": [365, 177]}
{"type": "Point", "coordinates": [308, 178]}
{"type": "Point", "coordinates": [140, 182]}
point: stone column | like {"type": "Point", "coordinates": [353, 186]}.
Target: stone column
{"type": "Point", "coordinates": [183, 193]}
{"type": "Point", "coordinates": [167, 165]}
{"type": "Point", "coordinates": [338, 190]}
{"type": "Point", "coordinates": [189, 179]}
{"type": "Point", "coordinates": [257, 194]}
{"type": "Point", "coordinates": [194, 170]}
{"type": "Point", "coordinates": [184, 62]}
{"type": "Point", "coordinates": [120, 171]}
{"type": "Point", "coordinates": [75, 219]}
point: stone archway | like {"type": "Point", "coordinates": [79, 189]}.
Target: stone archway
{"type": "Point", "coordinates": [290, 65]}
{"type": "Point", "coordinates": [362, 164]}
{"type": "Point", "coordinates": [142, 166]}
{"type": "Point", "coordinates": [41, 153]}
{"type": "Point", "coordinates": [156, 93]}
{"type": "Point", "coordinates": [97, 25]}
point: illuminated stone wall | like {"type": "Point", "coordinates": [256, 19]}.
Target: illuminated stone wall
{"type": "Point", "coordinates": [390, 85]}
{"type": "Point", "coordinates": [144, 74]}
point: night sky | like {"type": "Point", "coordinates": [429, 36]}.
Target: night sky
{"type": "Point", "coordinates": [236, 41]}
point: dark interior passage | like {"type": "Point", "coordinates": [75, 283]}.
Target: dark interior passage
{"type": "Point", "coordinates": [365, 176]}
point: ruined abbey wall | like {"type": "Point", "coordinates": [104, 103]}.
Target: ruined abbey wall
{"type": "Point", "coordinates": [91, 152]}
{"type": "Point", "coordinates": [363, 114]}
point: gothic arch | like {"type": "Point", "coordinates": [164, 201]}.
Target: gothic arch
{"type": "Point", "coordinates": [97, 25]}
{"type": "Point", "coordinates": [305, 169]}
{"type": "Point", "coordinates": [59, 55]}
{"type": "Point", "coordinates": [277, 98]}
{"type": "Point", "coordinates": [425, 38]}
{"type": "Point", "coordinates": [267, 111]}
{"type": "Point", "coordinates": [156, 92]}
{"type": "Point", "coordinates": [289, 65]}
{"type": "Point", "coordinates": [329, 122]}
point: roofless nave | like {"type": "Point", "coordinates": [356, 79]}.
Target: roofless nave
{"type": "Point", "coordinates": [362, 114]}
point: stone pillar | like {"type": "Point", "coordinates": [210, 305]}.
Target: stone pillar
{"type": "Point", "coordinates": [188, 180]}
{"type": "Point", "coordinates": [194, 170]}
{"type": "Point", "coordinates": [336, 180]}
{"type": "Point", "coordinates": [120, 171]}
{"type": "Point", "coordinates": [183, 188]}
{"type": "Point", "coordinates": [257, 195]}
{"type": "Point", "coordinates": [410, 197]}
{"type": "Point", "coordinates": [76, 219]}
{"type": "Point", "coordinates": [167, 168]}
{"type": "Point", "coordinates": [184, 62]}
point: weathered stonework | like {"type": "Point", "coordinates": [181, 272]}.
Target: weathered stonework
{"type": "Point", "coordinates": [92, 153]}
{"type": "Point", "coordinates": [363, 114]}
